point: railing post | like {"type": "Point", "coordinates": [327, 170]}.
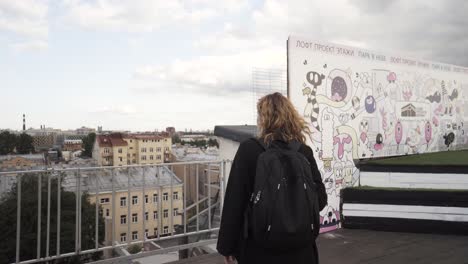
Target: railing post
{"type": "Point", "coordinates": [77, 211]}
{"type": "Point", "coordinates": [159, 205]}
{"type": "Point", "coordinates": [129, 200]}
{"type": "Point", "coordinates": [48, 213]}
{"type": "Point", "coordinates": [197, 195]}
{"type": "Point", "coordinates": [96, 237]}
{"type": "Point", "coordinates": [18, 218]}
{"type": "Point", "coordinates": [59, 204]}
{"type": "Point", "coordinates": [209, 195]}
{"type": "Point", "coordinates": [39, 210]}
{"type": "Point", "coordinates": [171, 212]}
{"type": "Point", "coordinates": [221, 184]}
{"type": "Point", "coordinates": [144, 208]}
{"type": "Point", "coordinates": [185, 199]}
{"type": "Point", "coordinates": [113, 208]}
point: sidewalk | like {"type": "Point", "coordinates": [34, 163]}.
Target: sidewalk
{"type": "Point", "coordinates": [362, 246]}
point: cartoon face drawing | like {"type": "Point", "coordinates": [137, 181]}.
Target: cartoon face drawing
{"type": "Point", "coordinates": [370, 104]}
{"type": "Point", "coordinates": [364, 125]}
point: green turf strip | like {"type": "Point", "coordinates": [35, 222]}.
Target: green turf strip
{"type": "Point", "coordinates": [370, 188]}
{"type": "Point", "coordinates": [453, 158]}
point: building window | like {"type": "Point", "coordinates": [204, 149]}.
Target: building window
{"type": "Point", "coordinates": [155, 232]}
{"type": "Point", "coordinates": [151, 149]}
{"type": "Point", "coordinates": [135, 235]}
{"type": "Point", "coordinates": [158, 157]}
{"type": "Point", "coordinates": [166, 230]}
{"type": "Point", "coordinates": [155, 215]}
{"type": "Point", "coordinates": [143, 149]}
{"type": "Point", "coordinates": [165, 140]}
{"type": "Point", "coordinates": [158, 149]}
{"type": "Point", "coordinates": [155, 198]}
{"type": "Point", "coordinates": [166, 149]}
{"type": "Point", "coordinates": [165, 196]}
{"type": "Point", "coordinates": [120, 150]}
{"type": "Point", "coordinates": [146, 216]}
{"type": "Point", "coordinates": [175, 196]}
{"type": "Point", "coordinates": [134, 218]}
{"type": "Point", "coordinates": [130, 141]}
{"type": "Point", "coordinates": [143, 157]}
{"type": "Point", "coordinates": [146, 233]}
{"type": "Point", "coordinates": [123, 219]}
{"type": "Point", "coordinates": [123, 237]}
{"type": "Point", "coordinates": [104, 200]}
{"type": "Point", "coordinates": [123, 201]}
{"type": "Point", "coordinates": [151, 157]}
{"type": "Point", "coordinates": [134, 199]}
{"type": "Point", "coordinates": [166, 213]}
{"type": "Point", "coordinates": [146, 198]}
{"type": "Point", "coordinates": [107, 212]}
{"type": "Point", "coordinates": [176, 212]}
{"type": "Point", "coordinates": [134, 160]}
{"type": "Point", "coordinates": [106, 150]}
{"type": "Point", "coordinates": [120, 159]}
{"type": "Point", "coordinates": [131, 147]}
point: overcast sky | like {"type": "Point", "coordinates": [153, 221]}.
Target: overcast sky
{"type": "Point", "coordinates": [148, 64]}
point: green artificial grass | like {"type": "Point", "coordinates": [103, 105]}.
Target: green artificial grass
{"type": "Point", "coordinates": [445, 158]}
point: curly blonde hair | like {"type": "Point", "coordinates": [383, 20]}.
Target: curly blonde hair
{"type": "Point", "coordinates": [279, 120]}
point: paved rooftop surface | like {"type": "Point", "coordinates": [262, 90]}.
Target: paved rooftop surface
{"type": "Point", "coordinates": [363, 246]}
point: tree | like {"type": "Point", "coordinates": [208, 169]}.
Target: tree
{"type": "Point", "coordinates": [88, 144]}
{"type": "Point", "coordinates": [28, 236]}
{"type": "Point", "coordinates": [7, 142]}
{"type": "Point", "coordinates": [213, 142]}
{"type": "Point", "coordinates": [175, 139]}
{"type": "Point", "coordinates": [24, 144]}
{"type": "Point", "coordinates": [135, 248]}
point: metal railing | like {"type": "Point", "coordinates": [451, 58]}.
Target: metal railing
{"type": "Point", "coordinates": [98, 196]}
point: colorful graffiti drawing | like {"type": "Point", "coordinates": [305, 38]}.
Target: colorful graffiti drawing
{"type": "Point", "coordinates": [363, 104]}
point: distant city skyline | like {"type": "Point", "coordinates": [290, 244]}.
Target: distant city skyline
{"type": "Point", "coordinates": [140, 65]}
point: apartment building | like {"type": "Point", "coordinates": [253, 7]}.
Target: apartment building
{"type": "Point", "coordinates": [146, 201]}
{"type": "Point", "coordinates": [123, 149]}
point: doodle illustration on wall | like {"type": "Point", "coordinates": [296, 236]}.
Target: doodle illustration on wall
{"type": "Point", "coordinates": [360, 106]}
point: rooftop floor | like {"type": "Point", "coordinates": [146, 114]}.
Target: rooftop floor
{"type": "Point", "coordinates": [362, 246]}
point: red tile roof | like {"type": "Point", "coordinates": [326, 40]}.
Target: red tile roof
{"type": "Point", "coordinates": [145, 136]}
{"type": "Point", "coordinates": [111, 140]}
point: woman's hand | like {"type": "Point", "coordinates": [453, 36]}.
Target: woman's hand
{"type": "Point", "coordinates": [229, 259]}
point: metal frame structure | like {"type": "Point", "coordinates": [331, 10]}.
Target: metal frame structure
{"type": "Point", "coordinates": [51, 173]}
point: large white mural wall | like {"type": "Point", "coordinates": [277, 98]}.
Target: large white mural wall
{"type": "Point", "coordinates": [362, 104]}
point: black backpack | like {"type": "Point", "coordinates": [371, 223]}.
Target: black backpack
{"type": "Point", "coordinates": [283, 210]}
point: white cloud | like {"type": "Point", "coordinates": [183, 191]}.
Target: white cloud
{"type": "Point", "coordinates": [115, 110]}
{"type": "Point", "coordinates": [25, 17]}
{"type": "Point", "coordinates": [144, 15]}
{"type": "Point", "coordinates": [209, 74]}
{"type": "Point", "coordinates": [37, 45]}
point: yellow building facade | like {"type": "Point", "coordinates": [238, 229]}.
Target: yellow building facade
{"type": "Point", "coordinates": [126, 149]}
{"type": "Point", "coordinates": [146, 201]}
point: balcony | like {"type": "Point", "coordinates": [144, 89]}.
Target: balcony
{"type": "Point", "coordinates": [52, 224]}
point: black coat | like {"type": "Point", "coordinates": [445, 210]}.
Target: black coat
{"type": "Point", "coordinates": [239, 188]}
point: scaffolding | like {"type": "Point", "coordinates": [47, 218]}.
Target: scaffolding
{"type": "Point", "coordinates": [266, 81]}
